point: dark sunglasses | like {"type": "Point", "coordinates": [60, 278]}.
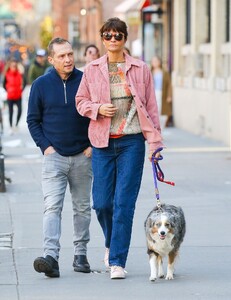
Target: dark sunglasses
{"type": "Point", "coordinates": [108, 36]}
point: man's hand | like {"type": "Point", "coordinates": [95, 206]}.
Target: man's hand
{"type": "Point", "coordinates": [49, 150]}
{"type": "Point", "coordinates": [88, 152]}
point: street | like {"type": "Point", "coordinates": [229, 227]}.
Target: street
{"type": "Point", "coordinates": [200, 169]}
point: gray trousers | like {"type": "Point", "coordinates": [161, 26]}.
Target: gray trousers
{"type": "Point", "coordinates": [57, 172]}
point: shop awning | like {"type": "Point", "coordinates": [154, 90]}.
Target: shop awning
{"type": "Point", "coordinates": [144, 3]}
{"type": "Point", "coordinates": [131, 5]}
{"type": "Point", "coordinates": [127, 5]}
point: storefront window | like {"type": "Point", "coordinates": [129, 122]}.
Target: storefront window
{"type": "Point", "coordinates": [152, 33]}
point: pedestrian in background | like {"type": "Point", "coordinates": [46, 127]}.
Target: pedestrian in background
{"type": "Point", "coordinates": [163, 90]}
{"type": "Point", "coordinates": [14, 84]}
{"type": "Point", "coordinates": [2, 66]}
{"type": "Point", "coordinates": [62, 134]}
{"type": "Point", "coordinates": [38, 66]}
{"type": "Point", "coordinates": [91, 53]}
{"type": "Point", "coordinates": [117, 94]}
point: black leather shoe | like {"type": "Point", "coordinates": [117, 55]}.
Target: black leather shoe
{"type": "Point", "coordinates": [47, 265]}
{"type": "Point", "coordinates": [81, 264]}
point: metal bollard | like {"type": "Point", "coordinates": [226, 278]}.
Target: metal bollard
{"type": "Point", "coordinates": [2, 174]}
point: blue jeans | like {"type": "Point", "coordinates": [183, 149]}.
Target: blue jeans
{"type": "Point", "coordinates": [57, 172]}
{"type": "Point", "coordinates": [117, 171]}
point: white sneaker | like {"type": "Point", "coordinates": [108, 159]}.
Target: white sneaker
{"type": "Point", "coordinates": [117, 272]}
{"type": "Point", "coordinates": [106, 258]}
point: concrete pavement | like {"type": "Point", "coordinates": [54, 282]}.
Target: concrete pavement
{"type": "Point", "coordinates": [200, 169]}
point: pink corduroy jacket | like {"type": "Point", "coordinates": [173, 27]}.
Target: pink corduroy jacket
{"type": "Point", "coordinates": [94, 90]}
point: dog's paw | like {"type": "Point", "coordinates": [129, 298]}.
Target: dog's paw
{"type": "Point", "coordinates": [152, 278]}
{"type": "Point", "coordinates": [169, 277]}
{"type": "Point", "coordinates": [161, 273]}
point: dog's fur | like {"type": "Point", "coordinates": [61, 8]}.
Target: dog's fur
{"type": "Point", "coordinates": [165, 230]}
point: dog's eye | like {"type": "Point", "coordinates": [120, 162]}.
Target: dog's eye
{"type": "Point", "coordinates": [167, 225]}
{"type": "Point", "coordinates": [158, 225]}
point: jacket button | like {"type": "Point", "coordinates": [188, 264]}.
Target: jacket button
{"type": "Point", "coordinates": [148, 117]}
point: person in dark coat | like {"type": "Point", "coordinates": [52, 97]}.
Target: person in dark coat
{"type": "Point", "coordinates": [38, 66]}
{"type": "Point", "coordinates": [62, 135]}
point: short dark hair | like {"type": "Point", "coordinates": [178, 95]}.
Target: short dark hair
{"type": "Point", "coordinates": [91, 46]}
{"type": "Point", "coordinates": [57, 40]}
{"type": "Point", "coordinates": [115, 24]}
{"type": "Point", "coordinates": [126, 49]}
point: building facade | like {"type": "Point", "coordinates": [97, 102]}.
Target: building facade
{"type": "Point", "coordinates": [193, 39]}
{"type": "Point", "coordinates": [79, 22]}
{"type": "Point", "coordinates": [202, 67]}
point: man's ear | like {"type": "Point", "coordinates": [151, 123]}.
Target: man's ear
{"type": "Point", "coordinates": [50, 60]}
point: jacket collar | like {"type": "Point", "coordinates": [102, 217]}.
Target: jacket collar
{"type": "Point", "coordinates": [55, 73]}
{"type": "Point", "coordinates": [129, 61]}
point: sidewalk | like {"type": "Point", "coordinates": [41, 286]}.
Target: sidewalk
{"type": "Point", "coordinates": [201, 170]}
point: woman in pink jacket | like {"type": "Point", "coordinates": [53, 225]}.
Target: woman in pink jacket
{"type": "Point", "coordinates": [117, 94]}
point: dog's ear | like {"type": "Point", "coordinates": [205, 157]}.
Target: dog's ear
{"type": "Point", "coordinates": [149, 223]}
{"type": "Point", "coordinates": [172, 220]}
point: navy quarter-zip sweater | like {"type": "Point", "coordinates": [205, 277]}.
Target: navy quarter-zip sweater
{"type": "Point", "coordinates": [52, 117]}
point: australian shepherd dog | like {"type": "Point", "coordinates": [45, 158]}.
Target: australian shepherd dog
{"type": "Point", "coordinates": [165, 229]}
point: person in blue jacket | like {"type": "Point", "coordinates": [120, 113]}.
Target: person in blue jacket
{"type": "Point", "coordinates": [62, 135]}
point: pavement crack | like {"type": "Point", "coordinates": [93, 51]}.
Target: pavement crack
{"type": "Point", "coordinates": [16, 273]}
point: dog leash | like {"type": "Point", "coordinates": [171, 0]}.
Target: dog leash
{"type": "Point", "coordinates": [158, 174]}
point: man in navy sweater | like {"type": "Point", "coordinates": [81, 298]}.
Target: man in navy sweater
{"type": "Point", "coordinates": [62, 135]}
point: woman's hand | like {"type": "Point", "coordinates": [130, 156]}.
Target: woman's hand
{"type": "Point", "coordinates": [107, 110]}
{"type": "Point", "coordinates": [169, 99]}
{"type": "Point", "coordinates": [157, 155]}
